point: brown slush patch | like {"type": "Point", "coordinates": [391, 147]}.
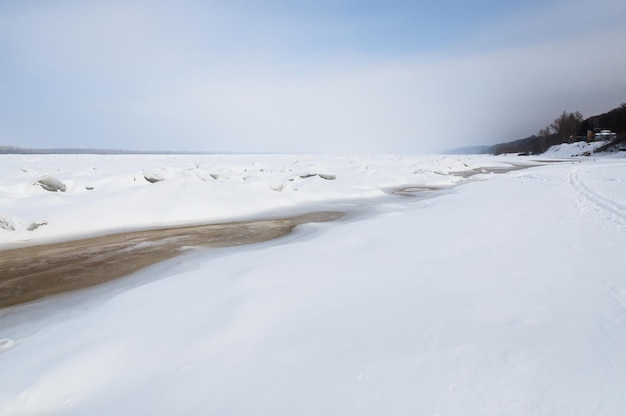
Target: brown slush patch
{"type": "Point", "coordinates": [33, 272]}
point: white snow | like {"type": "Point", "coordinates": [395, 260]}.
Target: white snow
{"type": "Point", "coordinates": [115, 193]}
{"type": "Point", "coordinates": [506, 295]}
{"type": "Point", "coordinates": [573, 149]}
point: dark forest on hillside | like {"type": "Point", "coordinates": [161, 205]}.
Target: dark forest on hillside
{"type": "Point", "coordinates": [566, 128]}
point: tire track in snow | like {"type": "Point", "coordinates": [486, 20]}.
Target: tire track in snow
{"type": "Point", "coordinates": [612, 210]}
{"type": "Point", "coordinates": [616, 213]}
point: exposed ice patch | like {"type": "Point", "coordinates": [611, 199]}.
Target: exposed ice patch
{"type": "Point", "coordinates": [52, 184]}
{"type": "Point", "coordinates": [6, 223]}
{"type": "Point", "coordinates": [327, 176]}
{"type": "Point", "coordinates": [33, 226]}
{"type": "Point", "coordinates": [153, 177]}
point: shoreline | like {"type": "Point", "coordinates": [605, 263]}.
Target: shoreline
{"type": "Point", "coordinates": [32, 272]}
{"type": "Point", "coordinates": [37, 271]}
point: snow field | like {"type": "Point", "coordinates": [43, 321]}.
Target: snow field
{"type": "Point", "coordinates": [117, 193]}
{"type": "Point", "coordinates": [503, 296]}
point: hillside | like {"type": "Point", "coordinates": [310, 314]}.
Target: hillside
{"type": "Point", "coordinates": [566, 127]}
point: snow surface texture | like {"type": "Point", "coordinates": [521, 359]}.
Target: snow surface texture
{"type": "Point", "coordinates": [573, 149]}
{"type": "Point", "coordinates": [505, 296]}
{"type": "Point", "coordinates": [101, 194]}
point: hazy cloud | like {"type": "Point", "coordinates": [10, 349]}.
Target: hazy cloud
{"type": "Point", "coordinates": [240, 77]}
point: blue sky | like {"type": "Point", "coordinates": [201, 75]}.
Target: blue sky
{"type": "Point", "coordinates": [287, 76]}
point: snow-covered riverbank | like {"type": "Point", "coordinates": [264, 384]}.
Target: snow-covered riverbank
{"type": "Point", "coordinates": [100, 194]}
{"type": "Point", "coordinates": [503, 296]}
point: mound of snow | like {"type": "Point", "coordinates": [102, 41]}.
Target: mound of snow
{"type": "Point", "coordinates": [165, 173]}
{"type": "Point", "coordinates": [6, 223]}
{"type": "Point", "coordinates": [573, 149]}
{"type": "Point", "coordinates": [153, 177]}
{"type": "Point", "coordinates": [52, 184]}
{"type": "Point", "coordinates": [121, 192]}
{"type": "Point", "coordinates": [327, 176]}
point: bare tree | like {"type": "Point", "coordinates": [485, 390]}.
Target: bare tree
{"type": "Point", "coordinates": [566, 125]}
{"type": "Point", "coordinates": [545, 132]}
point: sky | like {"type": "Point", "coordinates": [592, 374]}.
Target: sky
{"type": "Point", "coordinates": [321, 76]}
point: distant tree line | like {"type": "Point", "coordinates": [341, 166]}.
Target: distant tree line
{"type": "Point", "coordinates": [28, 151]}
{"type": "Point", "coordinates": [565, 128]}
